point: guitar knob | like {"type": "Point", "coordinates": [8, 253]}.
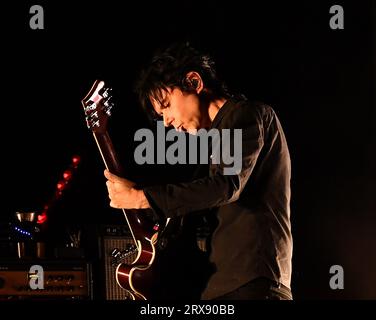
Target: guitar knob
{"type": "Point", "coordinates": [162, 243]}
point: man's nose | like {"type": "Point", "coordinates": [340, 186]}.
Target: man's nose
{"type": "Point", "coordinates": [167, 120]}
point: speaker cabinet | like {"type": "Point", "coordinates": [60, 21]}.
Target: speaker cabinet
{"type": "Point", "coordinates": [115, 238]}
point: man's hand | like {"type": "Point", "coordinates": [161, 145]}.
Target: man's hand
{"type": "Point", "coordinates": [122, 193]}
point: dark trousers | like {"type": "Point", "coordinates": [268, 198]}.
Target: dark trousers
{"type": "Point", "coordinates": [259, 289]}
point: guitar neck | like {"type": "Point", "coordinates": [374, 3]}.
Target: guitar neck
{"type": "Point", "coordinates": [97, 106]}
{"type": "Point", "coordinates": [108, 153]}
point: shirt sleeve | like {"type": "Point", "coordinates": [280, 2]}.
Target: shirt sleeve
{"type": "Point", "coordinates": [218, 189]}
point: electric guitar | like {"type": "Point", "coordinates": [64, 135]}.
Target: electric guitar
{"type": "Point", "coordinates": [137, 276]}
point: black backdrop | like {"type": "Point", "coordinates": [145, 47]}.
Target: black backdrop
{"type": "Point", "coordinates": [320, 81]}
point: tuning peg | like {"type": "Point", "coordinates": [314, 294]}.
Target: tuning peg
{"type": "Point", "coordinates": [93, 116]}
{"type": "Point", "coordinates": [108, 104]}
{"type": "Point", "coordinates": [108, 101]}
{"type": "Point", "coordinates": [106, 92]}
{"type": "Point", "coordinates": [92, 125]}
{"type": "Point", "coordinates": [108, 110]}
{"type": "Point", "coordinates": [90, 107]}
{"type": "Point", "coordinates": [88, 123]}
{"type": "Point", "coordinates": [92, 119]}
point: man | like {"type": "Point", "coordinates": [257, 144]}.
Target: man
{"type": "Point", "coordinates": [251, 247]}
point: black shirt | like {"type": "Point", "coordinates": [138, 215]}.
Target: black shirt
{"type": "Point", "coordinates": [253, 235]}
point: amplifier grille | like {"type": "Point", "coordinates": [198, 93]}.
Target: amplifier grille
{"type": "Point", "coordinates": [113, 290]}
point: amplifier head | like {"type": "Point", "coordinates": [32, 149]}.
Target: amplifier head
{"type": "Point", "coordinates": [68, 280]}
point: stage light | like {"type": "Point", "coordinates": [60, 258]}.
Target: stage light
{"type": "Point", "coordinates": [67, 175]}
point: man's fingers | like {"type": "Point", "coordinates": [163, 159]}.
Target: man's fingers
{"type": "Point", "coordinates": [110, 176]}
{"type": "Point", "coordinates": [115, 205]}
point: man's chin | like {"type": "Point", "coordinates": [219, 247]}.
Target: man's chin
{"type": "Point", "coordinates": [192, 131]}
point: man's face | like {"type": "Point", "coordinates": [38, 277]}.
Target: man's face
{"type": "Point", "coordinates": [180, 110]}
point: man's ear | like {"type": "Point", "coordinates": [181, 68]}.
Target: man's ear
{"type": "Point", "coordinates": [194, 81]}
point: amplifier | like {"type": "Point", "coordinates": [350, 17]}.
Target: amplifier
{"type": "Point", "coordinates": [114, 238]}
{"type": "Point", "coordinates": [70, 280]}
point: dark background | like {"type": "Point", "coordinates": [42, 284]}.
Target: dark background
{"type": "Point", "coordinates": [320, 81]}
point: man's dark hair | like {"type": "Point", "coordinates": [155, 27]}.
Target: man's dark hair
{"type": "Point", "coordinates": [168, 69]}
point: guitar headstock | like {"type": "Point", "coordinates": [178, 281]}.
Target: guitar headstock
{"type": "Point", "coordinates": [97, 105]}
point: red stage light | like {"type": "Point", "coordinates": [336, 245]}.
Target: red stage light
{"type": "Point", "coordinates": [67, 175]}
{"type": "Point", "coordinates": [76, 160]}
{"type": "Point", "coordinates": [42, 218]}
{"type": "Point", "coordinates": [61, 185]}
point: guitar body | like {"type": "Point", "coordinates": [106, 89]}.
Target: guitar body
{"type": "Point", "coordinates": [139, 277]}
{"type": "Point", "coordinates": [136, 277]}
